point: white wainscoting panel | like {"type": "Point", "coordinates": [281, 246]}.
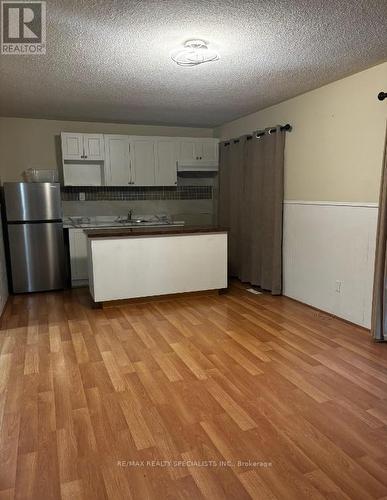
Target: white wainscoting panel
{"type": "Point", "coordinates": [329, 251]}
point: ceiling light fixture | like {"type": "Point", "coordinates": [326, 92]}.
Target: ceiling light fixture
{"type": "Point", "coordinates": [193, 53]}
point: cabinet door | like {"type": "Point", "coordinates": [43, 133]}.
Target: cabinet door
{"type": "Point", "coordinates": [198, 149]}
{"type": "Point", "coordinates": [210, 150]}
{"type": "Point", "coordinates": [117, 160]}
{"type": "Point", "coordinates": [78, 255]}
{"type": "Point", "coordinates": [93, 146]}
{"type": "Point", "coordinates": [143, 161]}
{"type": "Point", "coordinates": [166, 162]}
{"type": "Point", "coordinates": [187, 150]}
{"type": "Point", "coordinates": [83, 174]}
{"type": "Point", "coordinates": [72, 146]}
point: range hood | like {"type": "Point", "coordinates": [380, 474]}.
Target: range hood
{"type": "Point", "coordinates": [197, 166]}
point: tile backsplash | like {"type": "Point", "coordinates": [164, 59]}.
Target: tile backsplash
{"type": "Point", "coordinates": [186, 192]}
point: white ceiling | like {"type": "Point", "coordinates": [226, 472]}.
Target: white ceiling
{"type": "Point", "coordinates": [108, 60]}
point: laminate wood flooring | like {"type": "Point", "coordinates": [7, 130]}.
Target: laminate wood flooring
{"type": "Point", "coordinates": [208, 397]}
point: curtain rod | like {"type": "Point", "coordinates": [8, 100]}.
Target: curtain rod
{"type": "Point", "coordinates": [286, 127]}
{"type": "Point", "coordinates": [382, 96]}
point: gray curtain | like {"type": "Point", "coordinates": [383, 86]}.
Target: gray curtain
{"type": "Point", "coordinates": [251, 189]}
{"type": "Point", "coordinates": [379, 304]}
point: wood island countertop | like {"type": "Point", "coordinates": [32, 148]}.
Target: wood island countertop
{"type": "Point", "coordinates": [151, 231]}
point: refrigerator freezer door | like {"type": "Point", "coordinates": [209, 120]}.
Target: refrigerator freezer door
{"type": "Point", "coordinates": [32, 201]}
{"type": "Point", "coordinates": [37, 256]}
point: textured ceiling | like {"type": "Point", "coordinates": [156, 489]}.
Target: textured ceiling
{"type": "Point", "coordinates": [108, 60]}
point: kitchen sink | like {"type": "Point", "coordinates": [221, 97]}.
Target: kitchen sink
{"type": "Point", "coordinates": [88, 223]}
{"type": "Point", "coordinates": [145, 223]}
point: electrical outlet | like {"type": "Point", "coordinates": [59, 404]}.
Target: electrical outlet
{"type": "Point", "coordinates": [82, 196]}
{"type": "Point", "coordinates": [339, 285]}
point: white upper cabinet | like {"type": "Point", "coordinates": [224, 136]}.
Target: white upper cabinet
{"type": "Point", "coordinates": [209, 150]}
{"type": "Point", "coordinates": [123, 160]}
{"type": "Point", "coordinates": [198, 150]}
{"type": "Point", "coordinates": [187, 150]}
{"type": "Point", "coordinates": [72, 146]}
{"type": "Point", "coordinates": [130, 160]}
{"type": "Point", "coordinates": [143, 161]}
{"type": "Point", "coordinates": [167, 152]}
{"type": "Point", "coordinates": [82, 146]}
{"type": "Point", "coordinates": [117, 160]}
{"type": "Point", "coordinates": [93, 147]}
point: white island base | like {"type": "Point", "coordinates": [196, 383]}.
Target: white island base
{"type": "Point", "coordinates": [144, 265]}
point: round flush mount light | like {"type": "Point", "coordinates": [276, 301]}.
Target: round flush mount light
{"type": "Point", "coordinates": [193, 53]}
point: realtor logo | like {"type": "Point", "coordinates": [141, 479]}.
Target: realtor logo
{"type": "Point", "coordinates": [23, 28]}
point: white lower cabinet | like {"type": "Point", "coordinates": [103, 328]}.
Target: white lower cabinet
{"type": "Point", "coordinates": [78, 257]}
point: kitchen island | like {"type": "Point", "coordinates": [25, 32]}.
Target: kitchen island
{"type": "Point", "coordinates": [128, 263]}
{"type": "Point", "coordinates": [74, 227]}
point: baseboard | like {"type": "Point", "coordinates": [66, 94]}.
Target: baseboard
{"type": "Point", "coordinates": [330, 315]}
{"type": "Point", "coordinates": [161, 298]}
{"type": "Point", "coordinates": [239, 284]}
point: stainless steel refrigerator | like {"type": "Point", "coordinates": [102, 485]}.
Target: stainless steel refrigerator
{"type": "Point", "coordinates": [35, 236]}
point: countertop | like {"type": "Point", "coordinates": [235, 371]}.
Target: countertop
{"type": "Point", "coordinates": [151, 231]}
{"type": "Point", "coordinates": [119, 222]}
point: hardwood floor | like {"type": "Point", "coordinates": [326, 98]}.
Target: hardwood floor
{"type": "Point", "coordinates": [178, 399]}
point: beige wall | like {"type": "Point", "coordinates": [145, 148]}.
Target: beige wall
{"type": "Point", "coordinates": [29, 143]}
{"type": "Point", "coordinates": [334, 152]}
